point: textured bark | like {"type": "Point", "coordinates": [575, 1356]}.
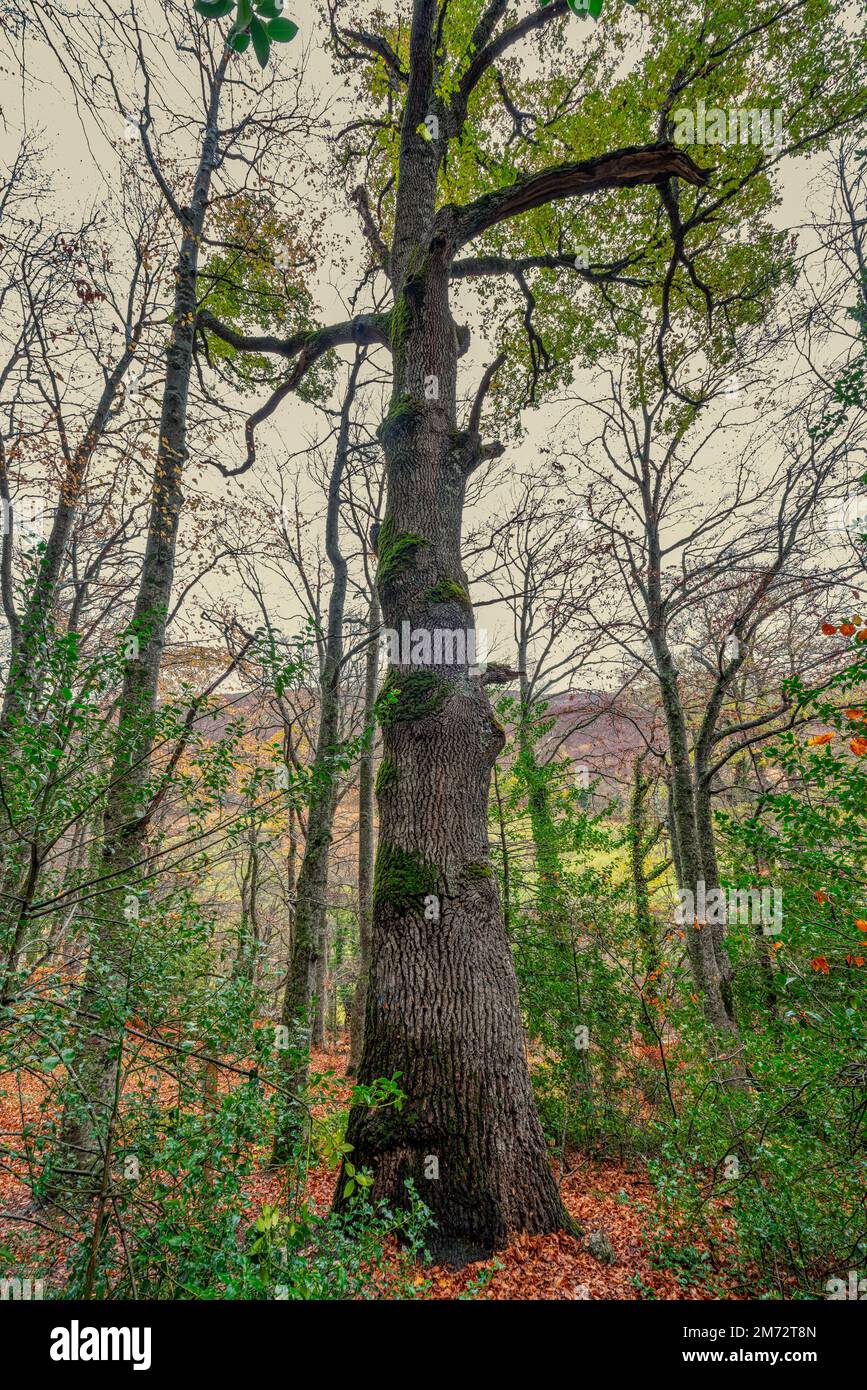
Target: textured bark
{"type": "Point", "coordinates": [103, 1002]}
{"type": "Point", "coordinates": [442, 1006]}
{"type": "Point", "coordinates": [366, 843]}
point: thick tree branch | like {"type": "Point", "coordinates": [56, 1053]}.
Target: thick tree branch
{"type": "Point", "coordinates": [379, 46]}
{"type": "Point", "coordinates": [471, 267]}
{"type": "Point", "coordinates": [626, 168]}
{"type": "Point", "coordinates": [310, 344]}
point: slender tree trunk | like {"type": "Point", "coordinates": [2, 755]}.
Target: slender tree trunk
{"type": "Point", "coordinates": [291, 879]}
{"type": "Point", "coordinates": [366, 841]}
{"type": "Point", "coordinates": [310, 901]}
{"type": "Point", "coordinates": [710, 868]}
{"type": "Point", "coordinates": [29, 634]}
{"type": "Point", "coordinates": [247, 955]}
{"type": "Point", "coordinates": [699, 934]}
{"type": "Point", "coordinates": [637, 851]}
{"type": "Point", "coordinates": [98, 1038]}
{"type": "Point", "coordinates": [320, 982]}
{"type": "Point", "coordinates": [672, 831]}
{"type": "Point", "coordinates": [548, 862]}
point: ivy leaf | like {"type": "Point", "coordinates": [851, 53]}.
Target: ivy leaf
{"type": "Point", "coordinates": [239, 42]}
{"type": "Point", "coordinates": [269, 9]}
{"type": "Point", "coordinates": [214, 9]}
{"type": "Point", "coordinates": [261, 42]}
{"type": "Point", "coordinates": [281, 30]}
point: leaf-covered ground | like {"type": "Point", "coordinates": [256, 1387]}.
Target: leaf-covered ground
{"type": "Point", "coordinates": [607, 1198]}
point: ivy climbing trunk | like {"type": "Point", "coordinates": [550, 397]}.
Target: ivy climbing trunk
{"type": "Point", "coordinates": [116, 931]}
{"type": "Point", "coordinates": [30, 636]}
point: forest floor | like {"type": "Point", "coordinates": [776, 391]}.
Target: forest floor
{"type": "Point", "coordinates": [650, 1260]}
{"type": "Point", "coordinates": [607, 1197]}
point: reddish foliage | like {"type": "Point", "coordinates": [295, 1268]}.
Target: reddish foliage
{"type": "Point", "coordinates": [604, 1197]}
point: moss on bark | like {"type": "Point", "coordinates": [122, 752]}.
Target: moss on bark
{"type": "Point", "coordinates": [403, 879]}
{"type": "Point", "coordinates": [394, 551]}
{"type": "Point", "coordinates": [419, 694]}
{"type": "Point", "coordinates": [448, 590]}
{"type": "Point", "coordinates": [386, 775]}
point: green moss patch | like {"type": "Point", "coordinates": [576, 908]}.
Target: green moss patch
{"type": "Point", "coordinates": [403, 412]}
{"type": "Point", "coordinates": [448, 591]}
{"type": "Point", "coordinates": [399, 323]}
{"type": "Point", "coordinates": [410, 695]}
{"type": "Point", "coordinates": [395, 549]}
{"type": "Point", "coordinates": [477, 872]}
{"type": "Point", "coordinates": [386, 775]}
{"type": "Point", "coordinates": [403, 879]}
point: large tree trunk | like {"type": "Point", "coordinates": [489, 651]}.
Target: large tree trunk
{"type": "Point", "coordinates": [103, 1002]}
{"type": "Point", "coordinates": [442, 1006]}
{"type": "Point", "coordinates": [366, 842]}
